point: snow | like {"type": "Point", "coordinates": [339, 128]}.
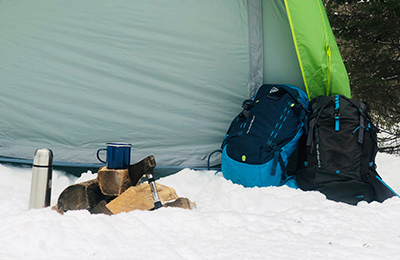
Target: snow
{"type": "Point", "coordinates": [230, 222]}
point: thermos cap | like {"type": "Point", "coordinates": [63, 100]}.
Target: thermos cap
{"type": "Point", "coordinates": [43, 157]}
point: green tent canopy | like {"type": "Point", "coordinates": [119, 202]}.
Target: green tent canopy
{"type": "Point", "coordinates": [166, 76]}
{"type": "Point", "coordinates": [320, 62]}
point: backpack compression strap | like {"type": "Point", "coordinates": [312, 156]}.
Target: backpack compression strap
{"type": "Point", "coordinates": [362, 124]}
{"type": "Point", "coordinates": [277, 158]}
{"type": "Point", "coordinates": [363, 116]}
{"type": "Point", "coordinates": [313, 121]}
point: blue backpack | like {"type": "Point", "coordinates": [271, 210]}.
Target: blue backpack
{"type": "Point", "coordinates": [261, 138]}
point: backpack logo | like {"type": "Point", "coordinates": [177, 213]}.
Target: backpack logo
{"type": "Point", "coordinates": [273, 90]}
{"type": "Point", "coordinates": [251, 124]}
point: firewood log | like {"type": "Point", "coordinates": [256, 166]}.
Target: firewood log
{"type": "Point", "coordinates": [101, 208]}
{"type": "Point", "coordinates": [180, 202]}
{"type": "Point", "coordinates": [85, 195]}
{"type": "Point", "coordinates": [111, 181]}
{"type": "Point", "coordinates": [140, 197]}
{"type": "Point", "coordinates": [114, 182]}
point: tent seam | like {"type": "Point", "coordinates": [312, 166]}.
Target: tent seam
{"type": "Point", "coordinates": [255, 72]}
{"type": "Point", "coordinates": [327, 51]}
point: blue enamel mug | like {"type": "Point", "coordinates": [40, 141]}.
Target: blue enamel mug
{"type": "Point", "coordinates": [118, 155]}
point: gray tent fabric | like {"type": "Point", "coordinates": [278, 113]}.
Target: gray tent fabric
{"type": "Point", "coordinates": [166, 76]}
{"type": "Point", "coordinates": [280, 59]}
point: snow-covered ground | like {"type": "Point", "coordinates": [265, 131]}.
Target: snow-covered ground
{"type": "Point", "coordinates": [230, 222]}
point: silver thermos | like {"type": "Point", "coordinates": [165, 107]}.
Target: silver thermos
{"type": "Point", "coordinates": [41, 179]}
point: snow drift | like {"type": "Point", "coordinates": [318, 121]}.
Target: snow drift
{"type": "Point", "coordinates": [230, 222]}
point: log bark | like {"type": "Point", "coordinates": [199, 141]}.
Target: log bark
{"type": "Point", "coordinates": [184, 203]}
{"type": "Point", "coordinates": [85, 195]}
{"type": "Point", "coordinates": [101, 208]}
{"type": "Point", "coordinates": [140, 197]}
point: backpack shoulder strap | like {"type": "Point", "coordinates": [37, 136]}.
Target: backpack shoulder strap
{"type": "Point", "coordinates": [364, 118]}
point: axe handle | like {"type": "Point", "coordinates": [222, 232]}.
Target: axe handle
{"type": "Point", "coordinates": [153, 188]}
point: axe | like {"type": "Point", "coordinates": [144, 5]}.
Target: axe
{"type": "Point", "coordinates": [145, 166]}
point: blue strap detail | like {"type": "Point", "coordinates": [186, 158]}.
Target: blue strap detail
{"type": "Point", "coordinates": [337, 124]}
{"type": "Point", "coordinates": [279, 125]}
{"type": "Point", "coordinates": [337, 102]}
{"type": "Point", "coordinates": [355, 130]}
{"type": "Point", "coordinates": [387, 186]}
{"type": "Point", "coordinates": [337, 114]}
{"type": "Point", "coordinates": [373, 165]}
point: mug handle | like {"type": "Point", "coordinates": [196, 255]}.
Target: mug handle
{"type": "Point", "coordinates": [98, 154]}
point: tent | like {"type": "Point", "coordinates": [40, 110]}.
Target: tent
{"type": "Point", "coordinates": [166, 76]}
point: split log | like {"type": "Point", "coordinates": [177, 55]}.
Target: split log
{"type": "Point", "coordinates": [126, 183]}
{"type": "Point", "coordinates": [115, 182]}
{"type": "Point", "coordinates": [85, 195]}
{"type": "Point", "coordinates": [101, 208]}
{"type": "Point", "coordinates": [140, 197]}
{"type": "Point", "coordinates": [112, 182]}
{"type": "Point", "coordinates": [181, 203]}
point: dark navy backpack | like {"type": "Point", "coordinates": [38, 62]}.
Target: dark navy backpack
{"type": "Point", "coordinates": [261, 138]}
